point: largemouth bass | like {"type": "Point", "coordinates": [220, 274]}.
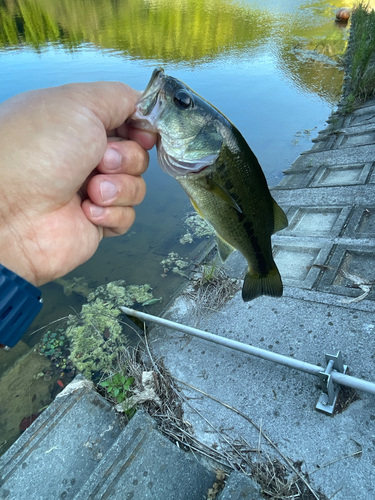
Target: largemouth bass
{"type": "Point", "coordinates": [207, 155]}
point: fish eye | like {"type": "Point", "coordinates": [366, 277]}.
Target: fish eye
{"type": "Point", "coordinates": [182, 99]}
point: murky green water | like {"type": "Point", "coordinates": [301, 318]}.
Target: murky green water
{"type": "Point", "coordinates": [269, 65]}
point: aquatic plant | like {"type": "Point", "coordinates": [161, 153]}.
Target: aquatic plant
{"type": "Point", "coordinates": [54, 345]}
{"type": "Point", "coordinates": [96, 334]}
{"type": "Point", "coordinates": [173, 261]}
{"type": "Point", "coordinates": [198, 227]}
{"type": "Point", "coordinates": [120, 295]}
{"type": "Point", "coordinates": [186, 238]}
{"type": "Point", "coordinates": [77, 285]}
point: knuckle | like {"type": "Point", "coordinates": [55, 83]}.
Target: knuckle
{"type": "Point", "coordinates": [140, 157]}
{"type": "Point", "coordinates": [137, 189]}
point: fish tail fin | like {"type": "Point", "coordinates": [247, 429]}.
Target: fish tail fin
{"type": "Point", "coordinates": [256, 285]}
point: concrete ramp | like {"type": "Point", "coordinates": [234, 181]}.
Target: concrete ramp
{"type": "Point", "coordinates": [79, 449]}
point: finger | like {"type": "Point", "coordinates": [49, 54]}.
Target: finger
{"type": "Point", "coordinates": [112, 102]}
{"type": "Point", "coordinates": [113, 220]}
{"type": "Point", "coordinates": [116, 190]}
{"type": "Point", "coordinates": [145, 138]}
{"type": "Point", "coordinates": [124, 157]}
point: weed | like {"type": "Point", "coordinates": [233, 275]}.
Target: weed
{"type": "Point", "coordinates": [360, 58]}
{"type": "Point", "coordinates": [211, 287]}
{"type": "Point", "coordinates": [117, 388]}
{"type": "Point", "coordinates": [210, 272]}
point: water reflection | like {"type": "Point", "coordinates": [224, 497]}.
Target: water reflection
{"type": "Point", "coordinates": [183, 32]}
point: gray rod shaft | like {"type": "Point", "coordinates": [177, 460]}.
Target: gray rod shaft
{"type": "Point", "coordinates": [339, 378]}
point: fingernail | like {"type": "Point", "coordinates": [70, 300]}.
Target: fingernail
{"type": "Point", "coordinates": [96, 211]}
{"type": "Point", "coordinates": [107, 190]}
{"type": "Point", "coordinates": [112, 159]}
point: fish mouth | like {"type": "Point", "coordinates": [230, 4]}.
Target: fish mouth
{"type": "Point", "coordinates": [157, 76]}
{"type": "Point", "coordinates": [148, 107]}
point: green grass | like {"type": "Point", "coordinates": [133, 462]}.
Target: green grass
{"type": "Point", "coordinates": [360, 58]}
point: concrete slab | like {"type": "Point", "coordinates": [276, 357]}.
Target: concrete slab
{"type": "Point", "coordinates": [240, 487]}
{"type": "Point", "coordinates": [331, 157]}
{"type": "Point", "coordinates": [57, 453]}
{"type": "Point", "coordinates": [341, 175]}
{"type": "Point", "coordinates": [143, 464]}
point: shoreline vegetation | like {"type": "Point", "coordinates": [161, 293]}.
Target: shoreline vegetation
{"type": "Point", "coordinates": [359, 83]}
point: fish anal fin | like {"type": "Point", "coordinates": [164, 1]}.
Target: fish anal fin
{"type": "Point", "coordinates": [279, 217]}
{"type": "Point", "coordinates": [256, 285]}
{"type": "Point", "coordinates": [223, 248]}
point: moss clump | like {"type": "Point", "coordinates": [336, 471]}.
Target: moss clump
{"type": "Point", "coordinates": [360, 59]}
{"type": "Point", "coordinates": [96, 335]}
{"type": "Point", "coordinates": [120, 295]}
{"type": "Point", "coordinates": [173, 261]}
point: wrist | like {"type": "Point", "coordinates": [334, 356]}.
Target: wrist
{"type": "Point", "coordinates": [14, 257]}
{"type": "Point", "coordinates": [18, 267]}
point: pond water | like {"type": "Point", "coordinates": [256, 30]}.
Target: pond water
{"type": "Point", "coordinates": [270, 66]}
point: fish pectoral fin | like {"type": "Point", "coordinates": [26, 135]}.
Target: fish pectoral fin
{"type": "Point", "coordinates": [279, 217]}
{"type": "Point", "coordinates": [196, 208]}
{"type": "Point", "coordinates": [212, 186]}
{"type": "Point", "coordinates": [256, 285]}
{"type": "Point", "coordinates": [223, 248]}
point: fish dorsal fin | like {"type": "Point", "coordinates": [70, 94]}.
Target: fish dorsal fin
{"type": "Point", "coordinates": [280, 220]}
{"type": "Point", "coordinates": [223, 248]}
{"type": "Point", "coordinates": [212, 186]}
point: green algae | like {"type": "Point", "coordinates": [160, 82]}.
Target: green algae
{"type": "Point", "coordinates": [77, 285]}
{"type": "Point", "coordinates": [173, 261]}
{"type": "Point", "coordinates": [96, 334]}
{"type": "Point", "coordinates": [196, 228]}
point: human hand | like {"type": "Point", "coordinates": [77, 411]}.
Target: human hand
{"type": "Point", "coordinates": [70, 174]}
